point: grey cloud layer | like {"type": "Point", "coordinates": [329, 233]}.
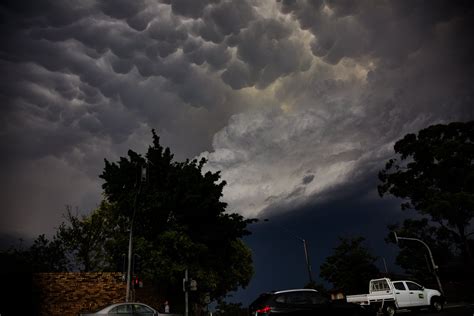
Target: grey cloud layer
{"type": "Point", "coordinates": [289, 98]}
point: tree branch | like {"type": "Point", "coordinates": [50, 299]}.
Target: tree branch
{"type": "Point", "coordinates": [456, 235]}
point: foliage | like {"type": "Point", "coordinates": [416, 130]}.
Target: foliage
{"type": "Point", "coordinates": [79, 244]}
{"type": "Point", "coordinates": [230, 309]}
{"type": "Point", "coordinates": [434, 174]}
{"type": "Point", "coordinates": [84, 239]}
{"type": "Point", "coordinates": [350, 267]}
{"type": "Point", "coordinates": [178, 221]}
{"type": "Point", "coordinates": [43, 255]}
{"type": "Point", "coordinates": [47, 256]}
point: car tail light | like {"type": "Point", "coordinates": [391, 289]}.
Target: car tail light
{"type": "Point", "coordinates": [264, 310]}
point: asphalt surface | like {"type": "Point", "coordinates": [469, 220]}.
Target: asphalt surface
{"type": "Point", "coordinates": [451, 310]}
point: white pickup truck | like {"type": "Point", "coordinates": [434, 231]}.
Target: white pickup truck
{"type": "Point", "coordinates": [387, 296]}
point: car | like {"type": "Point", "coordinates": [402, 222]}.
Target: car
{"type": "Point", "coordinates": [125, 309]}
{"type": "Point", "coordinates": [305, 302]}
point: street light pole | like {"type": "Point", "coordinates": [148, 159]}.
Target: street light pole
{"type": "Point", "coordinates": [129, 265]}
{"type": "Point", "coordinates": [435, 267]}
{"type": "Point", "coordinates": [186, 297]}
{"type": "Point", "coordinates": [308, 265]}
{"type": "Point", "coordinates": [306, 252]}
{"type": "Point", "coordinates": [130, 237]}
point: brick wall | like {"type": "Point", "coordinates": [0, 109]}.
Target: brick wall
{"type": "Point", "coordinates": [71, 293]}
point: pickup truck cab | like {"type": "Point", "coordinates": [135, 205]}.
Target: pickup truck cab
{"type": "Point", "coordinates": [389, 296]}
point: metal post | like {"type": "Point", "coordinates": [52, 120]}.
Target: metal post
{"type": "Point", "coordinates": [308, 265]}
{"type": "Point", "coordinates": [186, 311]}
{"type": "Point", "coordinates": [306, 253]}
{"type": "Point", "coordinates": [130, 239]}
{"type": "Point", "coordinates": [435, 267]}
{"type": "Point", "coordinates": [129, 268]}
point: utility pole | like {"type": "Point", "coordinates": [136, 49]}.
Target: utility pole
{"type": "Point", "coordinates": [385, 265]}
{"type": "Point", "coordinates": [130, 237]}
{"type": "Point", "coordinates": [129, 266]}
{"type": "Point", "coordinates": [305, 247]}
{"type": "Point", "coordinates": [308, 265]}
{"type": "Point", "coordinates": [185, 287]}
{"type": "Point", "coordinates": [435, 267]}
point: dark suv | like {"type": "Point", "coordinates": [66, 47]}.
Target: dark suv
{"type": "Point", "coordinates": [302, 302]}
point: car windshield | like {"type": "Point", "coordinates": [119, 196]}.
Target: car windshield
{"type": "Point", "coordinates": [102, 308]}
{"type": "Point", "coordinates": [122, 309]}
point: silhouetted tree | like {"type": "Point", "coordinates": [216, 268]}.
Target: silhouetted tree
{"type": "Point", "coordinates": [230, 309]}
{"type": "Point", "coordinates": [179, 221]}
{"type": "Point", "coordinates": [434, 174]}
{"type": "Point", "coordinates": [350, 267]}
{"type": "Point", "coordinates": [84, 239]}
{"type": "Point", "coordinates": [45, 255]}
{"type": "Point", "coordinates": [81, 243]}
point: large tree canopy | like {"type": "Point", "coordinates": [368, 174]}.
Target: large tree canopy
{"type": "Point", "coordinates": [179, 222]}
{"type": "Point", "coordinates": [434, 174]}
{"type": "Point", "coordinates": [350, 267]}
{"type": "Point", "coordinates": [178, 219]}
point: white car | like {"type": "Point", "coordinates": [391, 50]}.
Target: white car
{"type": "Point", "coordinates": [126, 309]}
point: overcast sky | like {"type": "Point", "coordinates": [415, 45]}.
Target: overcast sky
{"type": "Point", "coordinates": [297, 102]}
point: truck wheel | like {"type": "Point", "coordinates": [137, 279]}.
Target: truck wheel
{"type": "Point", "coordinates": [436, 305]}
{"type": "Point", "coordinates": [389, 310]}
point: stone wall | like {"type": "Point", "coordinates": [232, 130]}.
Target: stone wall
{"type": "Point", "coordinates": [71, 293]}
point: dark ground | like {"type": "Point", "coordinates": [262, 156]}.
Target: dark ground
{"type": "Point", "coordinates": [450, 310]}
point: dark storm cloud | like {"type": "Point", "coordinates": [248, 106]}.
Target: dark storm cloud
{"type": "Point", "coordinates": [217, 56]}
{"type": "Point", "coordinates": [382, 71]}
{"type": "Point", "coordinates": [44, 12]}
{"type": "Point", "coordinates": [308, 179]}
{"type": "Point", "coordinates": [266, 52]}
{"type": "Point", "coordinates": [88, 81]}
{"type": "Point", "coordinates": [238, 76]}
{"type": "Point", "coordinates": [189, 8]}
{"type": "Point", "coordinates": [121, 9]}
{"type": "Point", "coordinates": [390, 30]}
{"type": "Point", "coordinates": [289, 98]}
{"type": "Point", "coordinates": [227, 18]}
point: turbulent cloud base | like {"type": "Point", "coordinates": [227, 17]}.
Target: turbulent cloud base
{"type": "Point", "coordinates": [289, 99]}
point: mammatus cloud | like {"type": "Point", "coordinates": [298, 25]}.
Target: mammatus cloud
{"type": "Point", "coordinates": [378, 74]}
{"type": "Point", "coordinates": [288, 98]}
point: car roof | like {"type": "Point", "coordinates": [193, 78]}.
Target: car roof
{"type": "Point", "coordinates": [108, 308]}
{"type": "Point", "coordinates": [264, 296]}
{"type": "Point", "coordinates": [294, 290]}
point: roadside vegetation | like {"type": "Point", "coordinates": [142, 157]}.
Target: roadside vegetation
{"type": "Point", "coordinates": [179, 222]}
{"type": "Point", "coordinates": [432, 174]}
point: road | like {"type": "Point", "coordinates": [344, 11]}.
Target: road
{"type": "Point", "coordinates": [448, 311]}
